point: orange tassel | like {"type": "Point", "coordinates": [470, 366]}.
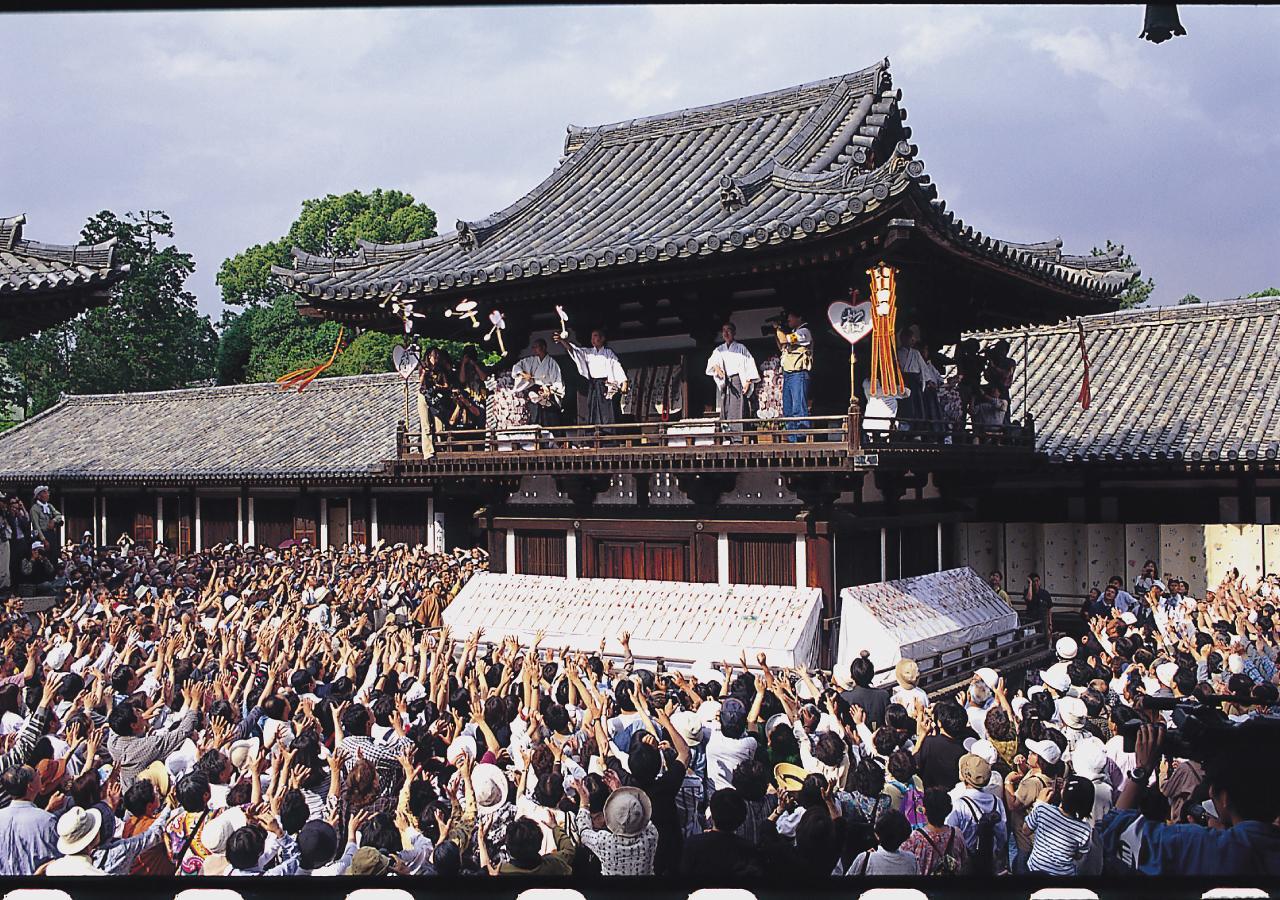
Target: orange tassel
{"type": "Point", "coordinates": [300, 378]}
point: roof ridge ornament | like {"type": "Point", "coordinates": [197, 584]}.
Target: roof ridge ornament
{"type": "Point", "coordinates": [467, 239]}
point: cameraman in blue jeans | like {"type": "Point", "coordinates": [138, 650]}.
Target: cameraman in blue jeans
{"type": "Point", "coordinates": [796, 346]}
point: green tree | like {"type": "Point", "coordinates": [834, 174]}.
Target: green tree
{"type": "Point", "coordinates": [1189, 299]}
{"type": "Point", "coordinates": [1265, 292]}
{"type": "Point", "coordinates": [150, 337]}
{"type": "Point", "coordinates": [1139, 291]}
{"type": "Point", "coordinates": [268, 336]}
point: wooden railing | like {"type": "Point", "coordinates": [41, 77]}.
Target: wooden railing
{"type": "Point", "coordinates": [826, 435]}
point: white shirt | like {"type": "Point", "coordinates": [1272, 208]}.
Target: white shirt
{"type": "Point", "coordinates": [732, 359]}
{"type": "Point", "coordinates": [545, 372]}
{"type": "Point", "coordinates": [884, 862]}
{"type": "Point", "coordinates": [724, 755]}
{"type": "Point", "coordinates": [593, 363]}
{"type": "Point", "coordinates": [910, 360]}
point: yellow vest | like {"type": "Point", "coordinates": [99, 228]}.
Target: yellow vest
{"type": "Point", "coordinates": [796, 357]}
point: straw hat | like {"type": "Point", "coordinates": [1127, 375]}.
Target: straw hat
{"type": "Point", "coordinates": [689, 724]}
{"type": "Point", "coordinates": [158, 774]}
{"type": "Point", "coordinates": [907, 673]}
{"type": "Point", "coordinates": [77, 829]}
{"type": "Point", "coordinates": [368, 861]}
{"type": "Point", "coordinates": [788, 777]}
{"type": "Point", "coordinates": [242, 751]}
{"type": "Point", "coordinates": [627, 811]}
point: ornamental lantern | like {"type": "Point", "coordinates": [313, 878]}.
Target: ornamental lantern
{"type": "Point", "coordinates": [886, 376]}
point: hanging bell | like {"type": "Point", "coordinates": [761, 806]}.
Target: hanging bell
{"type": "Point", "coordinates": [1161, 23]}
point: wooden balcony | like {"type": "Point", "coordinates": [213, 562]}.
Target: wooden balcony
{"type": "Point", "coordinates": [815, 444]}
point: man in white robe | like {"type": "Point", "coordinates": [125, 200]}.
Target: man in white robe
{"type": "Point", "coordinates": [604, 375]}
{"type": "Point", "coordinates": [538, 377]}
{"type": "Point", "coordinates": [736, 376]}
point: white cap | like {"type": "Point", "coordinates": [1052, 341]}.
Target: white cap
{"type": "Point", "coordinates": [1057, 678]}
{"type": "Point", "coordinates": [986, 750]}
{"type": "Point", "coordinates": [57, 656]}
{"type": "Point", "coordinates": [709, 711]}
{"type": "Point", "coordinates": [1072, 711]}
{"type": "Point", "coordinates": [1067, 648]}
{"type": "Point", "coordinates": [1211, 809]}
{"type": "Point", "coordinates": [1089, 758]}
{"type": "Point", "coordinates": [1165, 673]}
{"type": "Point", "coordinates": [1046, 750]}
{"type": "Point", "coordinates": [690, 725]}
{"type": "Point", "coordinates": [1018, 703]}
{"type": "Point", "coordinates": [990, 677]}
{"type": "Point", "coordinates": [1235, 664]}
{"type": "Point", "coordinates": [464, 745]}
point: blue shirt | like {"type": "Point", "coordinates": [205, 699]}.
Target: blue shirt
{"type": "Point", "coordinates": [1125, 602]}
{"type": "Point", "coordinates": [28, 837]}
{"type": "Point", "coordinates": [1250, 848]}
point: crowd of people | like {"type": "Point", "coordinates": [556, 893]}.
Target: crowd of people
{"type": "Point", "coordinates": [247, 711]}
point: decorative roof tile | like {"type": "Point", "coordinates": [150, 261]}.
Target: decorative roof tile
{"type": "Point", "coordinates": [337, 428]}
{"type": "Point", "coordinates": [787, 165]}
{"type": "Point", "coordinates": [1167, 383]}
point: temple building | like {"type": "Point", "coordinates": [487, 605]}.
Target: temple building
{"type": "Point", "coordinates": [659, 230]}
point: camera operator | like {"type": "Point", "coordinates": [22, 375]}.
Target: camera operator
{"type": "Point", "coordinates": [1245, 795]}
{"type": "Point", "coordinates": [795, 343]}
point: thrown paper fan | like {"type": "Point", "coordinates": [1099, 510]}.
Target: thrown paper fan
{"type": "Point", "coordinates": [564, 321]}
{"type": "Point", "coordinates": [499, 325]}
{"type": "Point", "coordinates": [466, 309]}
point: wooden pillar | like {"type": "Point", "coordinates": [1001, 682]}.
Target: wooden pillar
{"type": "Point", "coordinates": [252, 536]}
{"type": "Point", "coordinates": [431, 524]}
{"type": "Point", "coordinates": [512, 567]}
{"type": "Point", "coordinates": [240, 518]}
{"type": "Point", "coordinates": [159, 520]}
{"type": "Point", "coordinates": [802, 561]}
{"type": "Point", "coordinates": [102, 511]}
{"type": "Point", "coordinates": [722, 558]}
{"type": "Point", "coordinates": [571, 553]}
{"type": "Point", "coordinates": [373, 520]}
{"type": "Point", "coordinates": [820, 556]}
{"type": "Point", "coordinates": [884, 553]}
{"type": "Point", "coordinates": [199, 545]}
{"type": "Point", "coordinates": [323, 527]}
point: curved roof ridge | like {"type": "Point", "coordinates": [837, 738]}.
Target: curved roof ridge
{"type": "Point", "coordinates": [1239, 307]}
{"type": "Point", "coordinates": [336, 382]}
{"type": "Point", "coordinates": [724, 109]}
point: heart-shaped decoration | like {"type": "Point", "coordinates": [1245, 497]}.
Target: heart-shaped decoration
{"type": "Point", "coordinates": [406, 361]}
{"type": "Point", "coordinates": [852, 321]}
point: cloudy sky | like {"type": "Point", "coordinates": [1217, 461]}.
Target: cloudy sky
{"type": "Point", "coordinates": [1035, 122]}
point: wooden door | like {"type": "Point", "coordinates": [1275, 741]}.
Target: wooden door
{"type": "Point", "coordinates": [651, 560]}
{"type": "Point", "coordinates": [272, 520]}
{"type": "Point", "coordinates": [338, 521]}
{"type": "Point", "coordinates": [762, 559]}
{"type": "Point", "coordinates": [541, 553]}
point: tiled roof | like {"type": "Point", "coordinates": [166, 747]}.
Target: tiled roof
{"type": "Point", "coordinates": [33, 274]}
{"type": "Point", "coordinates": [761, 171]}
{"type": "Point", "coordinates": [1193, 384]}
{"type": "Point", "coordinates": [336, 428]}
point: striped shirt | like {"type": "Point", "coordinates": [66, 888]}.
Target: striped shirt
{"type": "Point", "coordinates": [1058, 843]}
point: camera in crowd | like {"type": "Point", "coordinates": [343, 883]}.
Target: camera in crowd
{"type": "Point", "coordinates": [1200, 730]}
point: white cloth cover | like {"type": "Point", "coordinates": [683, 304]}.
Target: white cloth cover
{"type": "Point", "coordinates": [914, 617]}
{"type": "Point", "coordinates": [679, 621]}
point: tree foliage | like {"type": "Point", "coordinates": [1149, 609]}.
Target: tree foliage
{"type": "Point", "coordinates": [1139, 291]}
{"type": "Point", "coordinates": [1189, 300]}
{"type": "Point", "coordinates": [1265, 292]}
{"type": "Point", "coordinates": [268, 336]}
{"type": "Point", "coordinates": [150, 337]}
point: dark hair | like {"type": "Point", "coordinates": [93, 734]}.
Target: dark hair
{"type": "Point", "coordinates": [886, 741]}
{"type": "Point", "coordinates": [862, 670]}
{"type": "Point", "coordinates": [355, 719]}
{"type": "Point", "coordinates": [829, 749]}
{"type": "Point", "coordinates": [728, 810]}
{"type": "Point", "coordinates": [524, 842]}
{"type": "Point", "coordinates": [141, 794]}
{"type": "Point", "coordinates": [301, 680]}
{"type": "Point", "coordinates": [549, 790]}
{"type": "Point", "coordinates": [557, 718]}
{"type": "Point", "coordinates": [446, 859]}
{"type": "Point", "coordinates": [751, 779]}
{"type": "Point", "coordinates": [999, 726]}
{"type": "Point", "coordinates": [893, 829]}
{"type": "Point", "coordinates": [950, 717]}
{"type": "Point", "coordinates": [868, 778]}
{"type": "Point", "coordinates": [16, 781]}
{"type": "Point", "coordinates": [192, 792]}
{"type": "Point", "coordinates": [897, 718]}
{"type": "Point", "coordinates": [86, 789]}
{"type": "Point", "coordinates": [294, 811]}
{"type": "Point", "coordinates": [902, 765]}
{"type": "Point", "coordinates": [597, 792]}
{"type": "Point", "coordinates": [212, 763]}
{"type": "Point", "coordinates": [1077, 797]}
{"type": "Point", "coordinates": [122, 719]}
{"type": "Point", "coordinates": [245, 846]}
{"type": "Point", "coordinates": [120, 679]}
{"type": "Point", "coordinates": [240, 793]}
{"type": "Point", "coordinates": [1238, 772]}
{"type": "Point", "coordinates": [937, 806]}
{"type": "Point", "coordinates": [645, 763]}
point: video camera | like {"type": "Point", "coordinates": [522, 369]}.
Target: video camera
{"type": "Point", "coordinates": [1200, 730]}
{"type": "Point", "coordinates": [772, 325]}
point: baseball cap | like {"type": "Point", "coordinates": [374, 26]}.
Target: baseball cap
{"type": "Point", "coordinates": [1046, 750]}
{"type": "Point", "coordinates": [733, 714]}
